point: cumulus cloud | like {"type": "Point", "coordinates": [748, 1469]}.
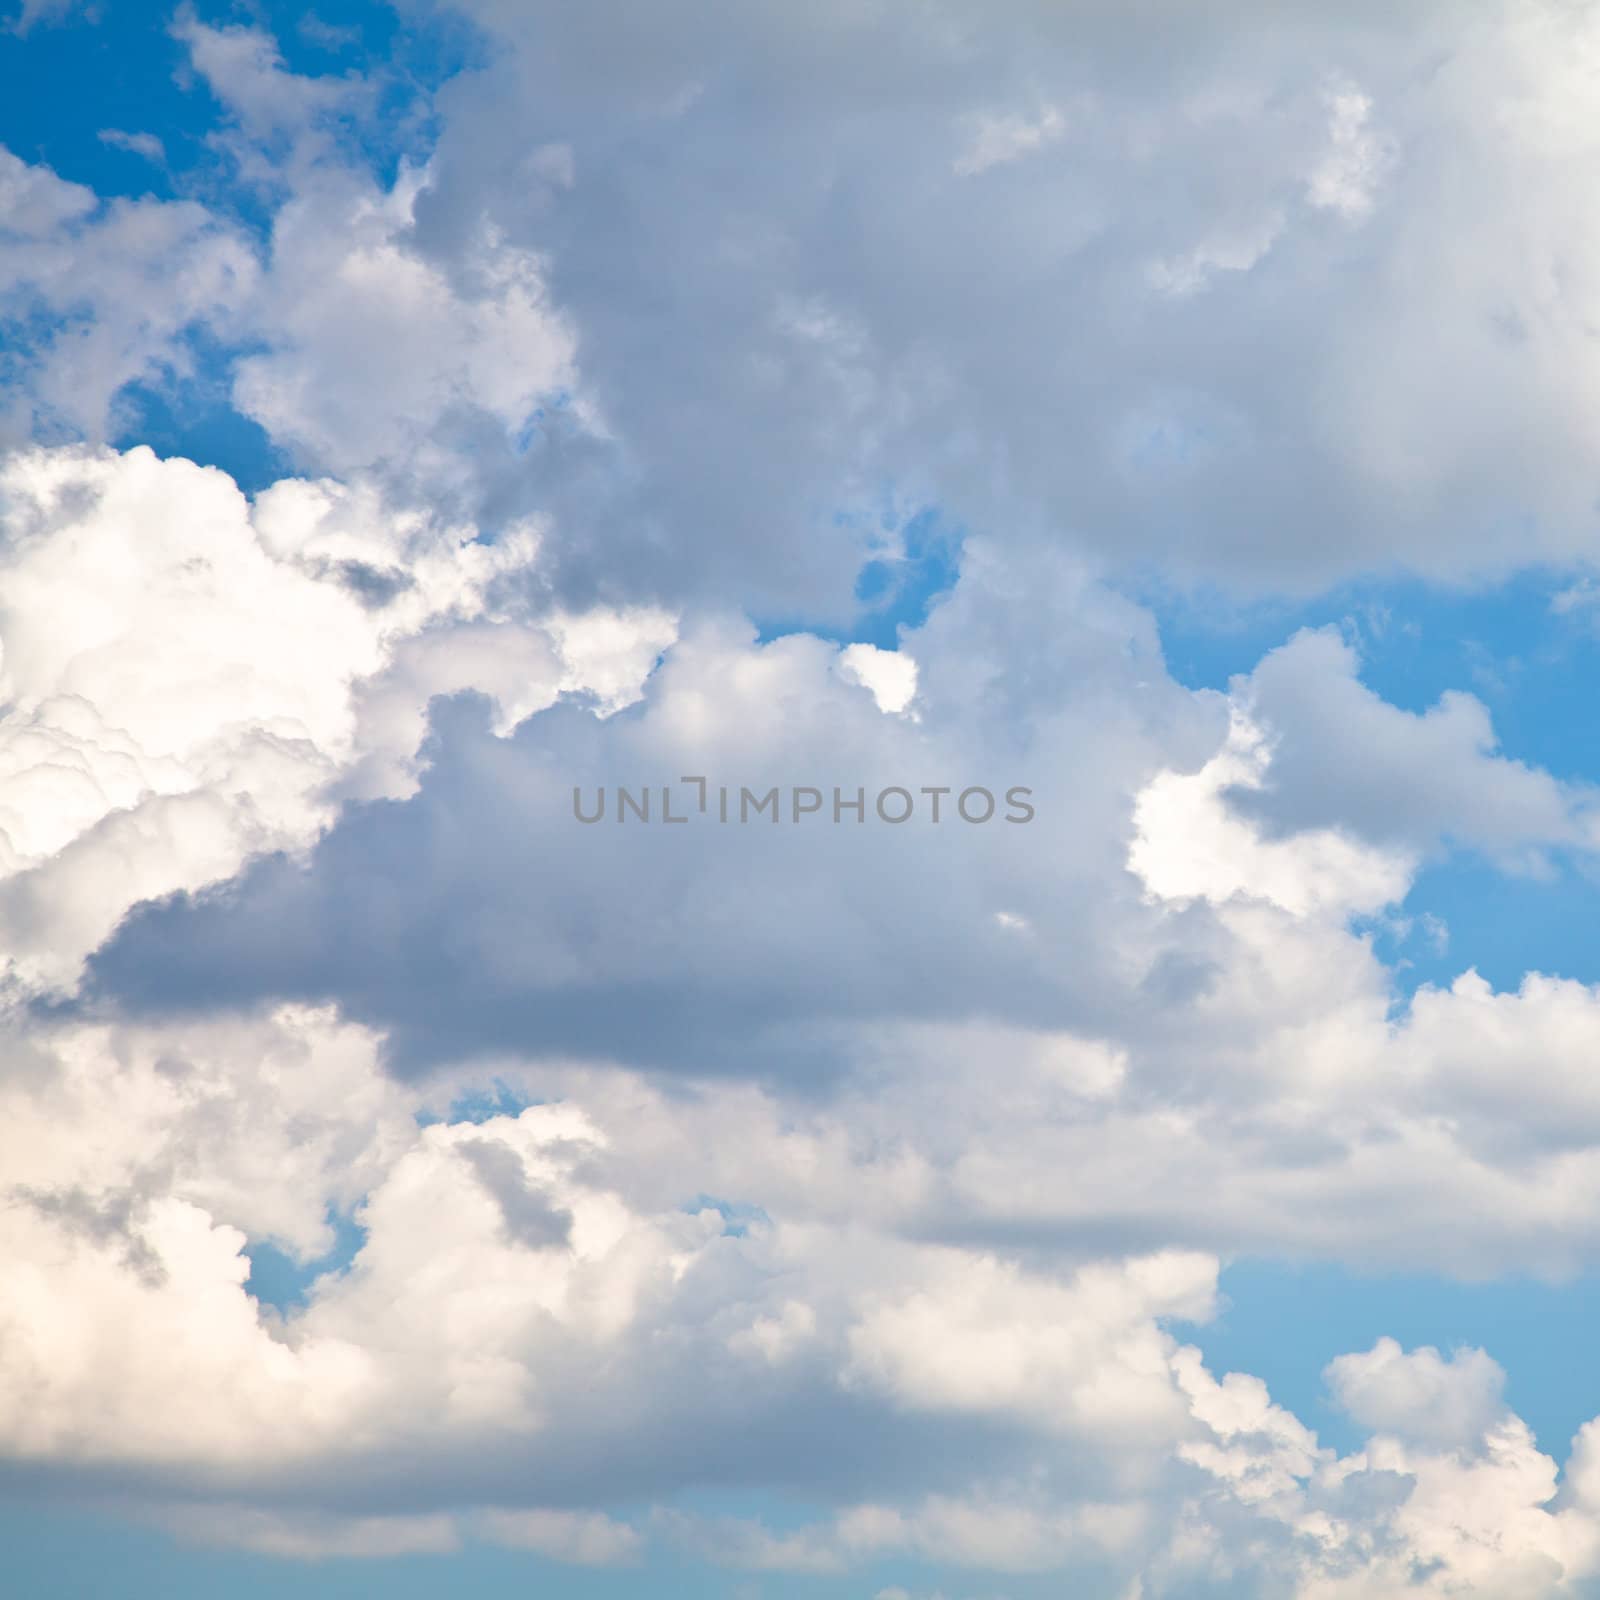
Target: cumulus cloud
{"type": "Point", "coordinates": [1075, 1428]}
{"type": "Point", "coordinates": [1194, 841]}
{"type": "Point", "coordinates": [966, 1272]}
{"type": "Point", "coordinates": [644, 936]}
{"type": "Point", "coordinates": [1012, 272]}
{"type": "Point", "coordinates": [187, 675]}
{"type": "Point", "coordinates": [1420, 1396]}
{"type": "Point", "coordinates": [1327, 798]}
{"type": "Point", "coordinates": [885, 1166]}
{"type": "Point", "coordinates": [969, 1249]}
{"type": "Point", "coordinates": [1189, 1470]}
{"type": "Point", "coordinates": [380, 360]}
{"type": "Point", "coordinates": [1341, 756]}
{"type": "Point", "coordinates": [371, 357]}
{"type": "Point", "coordinates": [1224, 303]}
{"type": "Point", "coordinates": [1140, 1020]}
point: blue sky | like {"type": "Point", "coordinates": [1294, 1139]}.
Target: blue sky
{"type": "Point", "coordinates": [412, 413]}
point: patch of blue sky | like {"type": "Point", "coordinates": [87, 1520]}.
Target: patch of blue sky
{"type": "Point", "coordinates": [405, 64]}
{"type": "Point", "coordinates": [737, 1218]}
{"type": "Point", "coordinates": [105, 96]}
{"type": "Point", "coordinates": [917, 563]}
{"type": "Point", "coordinates": [1529, 649]}
{"type": "Point", "coordinates": [51, 1554]}
{"type": "Point", "coordinates": [555, 415]}
{"type": "Point", "coordinates": [1502, 924]}
{"type": "Point", "coordinates": [113, 69]}
{"type": "Point", "coordinates": [278, 1280]}
{"type": "Point", "coordinates": [191, 414]}
{"type": "Point", "coordinates": [498, 1099]}
{"type": "Point", "coordinates": [116, 67]}
{"type": "Point", "coordinates": [1284, 1323]}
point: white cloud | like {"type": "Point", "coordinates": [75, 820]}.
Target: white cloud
{"type": "Point", "coordinates": [977, 1335]}
{"type": "Point", "coordinates": [997, 140]}
{"type": "Point", "coordinates": [1346, 178]}
{"type": "Point", "coordinates": [1189, 843]}
{"type": "Point", "coordinates": [1341, 754]}
{"type": "Point", "coordinates": [1234, 250]}
{"type": "Point", "coordinates": [378, 358]}
{"type": "Point", "coordinates": [138, 144]}
{"type": "Point", "coordinates": [186, 674]}
{"type": "Point", "coordinates": [924, 1144]}
{"type": "Point", "coordinates": [245, 70]}
{"type": "Point", "coordinates": [96, 295]}
{"type": "Point", "coordinates": [891, 675]}
{"type": "Point", "coordinates": [1401, 376]}
{"type": "Point", "coordinates": [1034, 1037]}
{"type": "Point", "coordinates": [1419, 1396]}
{"type": "Point", "coordinates": [535, 1292]}
{"type": "Point", "coordinates": [1326, 798]}
{"type": "Point", "coordinates": [524, 322]}
{"type": "Point", "coordinates": [587, 1539]}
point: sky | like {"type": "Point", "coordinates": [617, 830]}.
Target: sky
{"type": "Point", "coordinates": [784, 432]}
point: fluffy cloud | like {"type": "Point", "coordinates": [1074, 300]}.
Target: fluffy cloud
{"type": "Point", "coordinates": [523, 1314]}
{"type": "Point", "coordinates": [95, 295]}
{"type": "Point", "coordinates": [370, 357]}
{"type": "Point", "coordinates": [382, 360]}
{"type": "Point", "coordinates": [1420, 1397]}
{"type": "Point", "coordinates": [1325, 798]}
{"type": "Point", "coordinates": [186, 675]}
{"type": "Point", "coordinates": [355, 352]}
{"type": "Point", "coordinates": [1197, 1051]}
{"type": "Point", "coordinates": [1228, 308]}
{"type": "Point", "coordinates": [1342, 757]}
{"type": "Point", "coordinates": [881, 1166]}
{"type": "Point", "coordinates": [631, 941]}
{"type": "Point", "coordinates": [1231, 303]}
{"type": "Point", "coordinates": [970, 1273]}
